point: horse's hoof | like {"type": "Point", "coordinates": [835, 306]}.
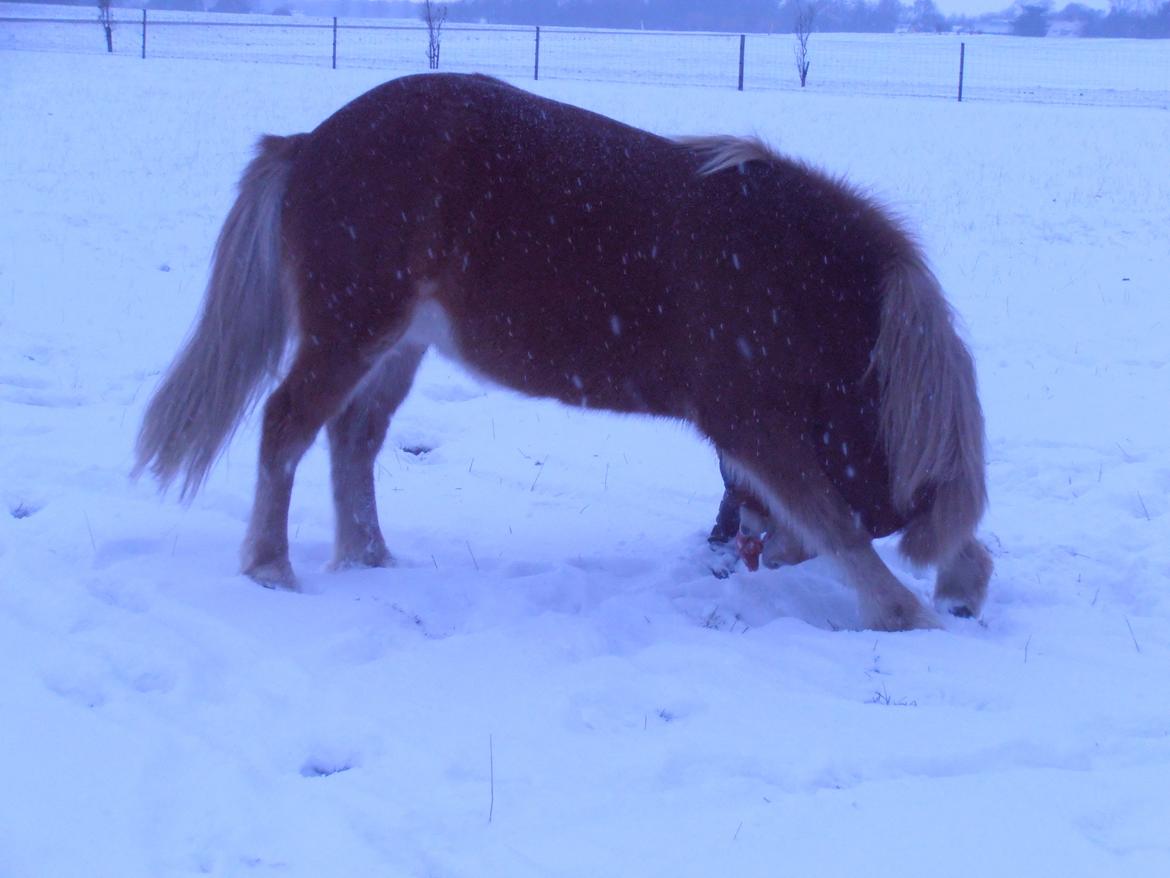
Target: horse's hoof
{"type": "Point", "coordinates": [361, 562]}
{"type": "Point", "coordinates": [958, 608]}
{"type": "Point", "coordinates": [274, 574]}
{"type": "Point", "coordinates": [903, 616]}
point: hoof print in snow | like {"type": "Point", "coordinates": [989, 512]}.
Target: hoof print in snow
{"type": "Point", "coordinates": [22, 510]}
{"type": "Point", "coordinates": [417, 450]}
{"type": "Point", "coordinates": [323, 767]}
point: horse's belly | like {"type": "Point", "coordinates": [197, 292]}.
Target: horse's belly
{"type": "Point", "coordinates": [552, 356]}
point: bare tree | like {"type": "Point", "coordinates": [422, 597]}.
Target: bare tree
{"type": "Point", "coordinates": [106, 20]}
{"type": "Point", "coordinates": [806, 15]}
{"type": "Point", "coordinates": [434, 16]}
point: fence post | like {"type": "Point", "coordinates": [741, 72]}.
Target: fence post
{"type": "Point", "coordinates": [335, 42]}
{"type": "Point", "coordinates": [143, 34]}
{"type": "Point", "coordinates": [536, 67]}
{"type": "Point", "coordinates": [962, 63]}
{"type": "Point", "coordinates": [742, 41]}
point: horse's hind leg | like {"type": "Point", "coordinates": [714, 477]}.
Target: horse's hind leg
{"type": "Point", "coordinates": [355, 436]}
{"type": "Point", "coordinates": [316, 386]}
{"type": "Point", "coordinates": [961, 586]}
{"type": "Point", "coordinates": [787, 476]}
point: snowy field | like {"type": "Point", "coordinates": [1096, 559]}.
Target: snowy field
{"type": "Point", "coordinates": [551, 683]}
{"type": "Point", "coordinates": [997, 68]}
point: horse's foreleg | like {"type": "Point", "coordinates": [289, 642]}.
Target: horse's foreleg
{"type": "Point", "coordinates": [355, 437]}
{"type": "Point", "coordinates": [786, 475]}
{"type": "Point", "coordinates": [886, 604]}
{"type": "Point", "coordinates": [727, 518]}
{"type": "Point", "coordinates": [315, 387]}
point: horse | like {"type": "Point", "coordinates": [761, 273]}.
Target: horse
{"type": "Point", "coordinates": [565, 255]}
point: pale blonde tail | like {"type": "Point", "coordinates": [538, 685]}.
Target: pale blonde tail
{"type": "Point", "coordinates": [239, 339]}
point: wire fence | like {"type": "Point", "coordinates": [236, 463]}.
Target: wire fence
{"type": "Point", "coordinates": [1099, 72]}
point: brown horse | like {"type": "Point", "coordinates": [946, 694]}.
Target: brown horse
{"type": "Point", "coordinates": [566, 255]}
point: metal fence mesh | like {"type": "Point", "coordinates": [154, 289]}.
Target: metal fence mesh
{"type": "Point", "coordinates": [1087, 71]}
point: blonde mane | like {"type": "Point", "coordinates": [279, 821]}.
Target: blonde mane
{"type": "Point", "coordinates": [723, 151]}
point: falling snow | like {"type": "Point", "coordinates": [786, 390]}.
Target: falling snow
{"type": "Point", "coordinates": [555, 648]}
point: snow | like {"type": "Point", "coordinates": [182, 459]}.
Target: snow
{"type": "Point", "coordinates": [550, 682]}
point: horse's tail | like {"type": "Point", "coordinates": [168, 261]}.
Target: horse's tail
{"type": "Point", "coordinates": [931, 421]}
{"type": "Point", "coordinates": [240, 337]}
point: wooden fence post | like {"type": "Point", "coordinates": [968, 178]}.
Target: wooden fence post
{"type": "Point", "coordinates": [143, 34]}
{"type": "Point", "coordinates": [536, 67]}
{"type": "Point", "coordinates": [335, 42]}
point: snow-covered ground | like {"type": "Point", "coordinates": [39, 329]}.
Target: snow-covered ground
{"type": "Point", "coordinates": [550, 683]}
